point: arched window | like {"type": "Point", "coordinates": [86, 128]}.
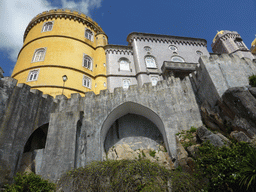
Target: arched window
{"type": "Point", "coordinates": [124, 64]}
{"type": "Point", "coordinates": [177, 59]}
{"type": "Point", "coordinates": [33, 75]}
{"type": "Point", "coordinates": [87, 62]}
{"type": "Point", "coordinates": [87, 82]}
{"type": "Point", "coordinates": [47, 26]}
{"type": "Point", "coordinates": [88, 34]}
{"type": "Point", "coordinates": [150, 62]}
{"type": "Point", "coordinates": [126, 83]}
{"type": "Point", "coordinates": [154, 80]}
{"type": "Point", "coordinates": [39, 55]}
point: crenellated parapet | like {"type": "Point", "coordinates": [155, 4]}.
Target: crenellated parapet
{"type": "Point", "coordinates": [166, 39]}
{"type": "Point", "coordinates": [218, 73]}
{"type": "Point", "coordinates": [63, 14]}
{"type": "Point", "coordinates": [118, 49]}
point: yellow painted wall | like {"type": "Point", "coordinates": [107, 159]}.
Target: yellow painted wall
{"type": "Point", "coordinates": [253, 48]}
{"type": "Point", "coordinates": [65, 48]}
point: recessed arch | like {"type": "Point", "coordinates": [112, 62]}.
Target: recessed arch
{"type": "Point", "coordinates": [131, 108]}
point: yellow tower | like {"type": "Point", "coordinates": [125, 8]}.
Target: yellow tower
{"type": "Point", "coordinates": [253, 47]}
{"type": "Point", "coordinates": [61, 43]}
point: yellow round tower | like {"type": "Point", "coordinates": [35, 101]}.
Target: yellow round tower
{"type": "Point", "coordinates": [63, 53]}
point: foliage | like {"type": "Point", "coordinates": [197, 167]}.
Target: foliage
{"type": "Point", "coordinates": [30, 183]}
{"type": "Point", "coordinates": [225, 166]}
{"type": "Point", "coordinates": [152, 153]}
{"type": "Point", "coordinates": [127, 175]}
{"type": "Point", "coordinates": [252, 80]}
{"type": "Point", "coordinates": [248, 170]}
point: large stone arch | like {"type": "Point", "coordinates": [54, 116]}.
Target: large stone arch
{"type": "Point", "coordinates": [138, 109]}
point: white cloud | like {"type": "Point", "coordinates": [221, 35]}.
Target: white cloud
{"type": "Point", "coordinates": [16, 14]}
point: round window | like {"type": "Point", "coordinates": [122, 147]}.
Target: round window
{"type": "Point", "coordinates": [173, 48]}
{"type": "Point", "coordinates": [199, 52]}
{"type": "Point", "coordinates": [147, 48]}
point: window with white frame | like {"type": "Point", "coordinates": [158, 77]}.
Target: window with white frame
{"type": "Point", "coordinates": [126, 83]}
{"type": "Point", "coordinates": [47, 26]}
{"type": "Point", "coordinates": [177, 59]}
{"type": "Point", "coordinates": [154, 80]}
{"type": "Point", "coordinates": [150, 62]}
{"type": "Point", "coordinates": [87, 82]}
{"type": "Point", "coordinates": [33, 75]}
{"type": "Point", "coordinates": [88, 34]}
{"type": "Point", "coordinates": [87, 62]}
{"type": "Point", "coordinates": [39, 55]}
{"type": "Point", "coordinates": [124, 64]}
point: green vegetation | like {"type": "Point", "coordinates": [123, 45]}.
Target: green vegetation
{"type": "Point", "coordinates": [252, 80]}
{"type": "Point", "coordinates": [127, 175]}
{"type": "Point", "coordinates": [226, 167]}
{"type": "Point", "coordinates": [30, 183]}
{"type": "Point", "coordinates": [152, 153]}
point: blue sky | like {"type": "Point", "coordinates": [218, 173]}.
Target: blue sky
{"type": "Point", "coordinates": [189, 18]}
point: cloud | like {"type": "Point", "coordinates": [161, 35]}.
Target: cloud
{"type": "Point", "coordinates": [16, 14]}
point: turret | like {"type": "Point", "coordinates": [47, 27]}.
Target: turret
{"type": "Point", "coordinates": [61, 43]}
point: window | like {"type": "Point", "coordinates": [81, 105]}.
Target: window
{"type": "Point", "coordinates": [33, 75]}
{"type": "Point", "coordinates": [87, 82]}
{"type": "Point", "coordinates": [154, 80]}
{"type": "Point", "coordinates": [39, 55]}
{"type": "Point", "coordinates": [199, 53]}
{"type": "Point", "coordinates": [124, 64]}
{"type": "Point", "coordinates": [150, 62]}
{"type": "Point", "coordinates": [88, 34]}
{"type": "Point", "coordinates": [177, 59]}
{"type": "Point", "coordinates": [173, 48]}
{"type": "Point", "coordinates": [147, 48]}
{"type": "Point", "coordinates": [87, 62]}
{"type": "Point", "coordinates": [47, 26]}
{"type": "Point", "coordinates": [126, 83]}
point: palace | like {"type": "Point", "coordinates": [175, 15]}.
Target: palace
{"type": "Point", "coordinates": [72, 96]}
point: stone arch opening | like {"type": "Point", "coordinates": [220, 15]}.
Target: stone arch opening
{"type": "Point", "coordinates": [137, 123]}
{"type": "Point", "coordinates": [33, 150]}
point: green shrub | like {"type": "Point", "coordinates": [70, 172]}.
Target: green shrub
{"type": "Point", "coordinates": [30, 183]}
{"type": "Point", "coordinates": [127, 175]}
{"type": "Point", "coordinates": [193, 129]}
{"type": "Point", "coordinates": [222, 166]}
{"type": "Point", "coordinates": [152, 153]}
{"type": "Point", "coordinates": [252, 80]}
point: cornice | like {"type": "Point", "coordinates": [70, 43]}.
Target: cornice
{"type": "Point", "coordinates": [166, 39]}
{"type": "Point", "coordinates": [65, 14]}
{"type": "Point", "coordinates": [118, 49]}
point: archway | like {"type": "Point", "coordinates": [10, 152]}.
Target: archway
{"type": "Point", "coordinates": [141, 115]}
{"type": "Point", "coordinates": [33, 150]}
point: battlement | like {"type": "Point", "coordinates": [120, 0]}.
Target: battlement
{"type": "Point", "coordinates": [65, 14]}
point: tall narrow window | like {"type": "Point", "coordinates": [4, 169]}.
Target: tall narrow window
{"type": "Point", "coordinates": [33, 75]}
{"type": "Point", "coordinates": [88, 34]}
{"type": "Point", "coordinates": [87, 62]}
{"type": "Point", "coordinates": [87, 82]}
{"type": "Point", "coordinates": [124, 64]}
{"type": "Point", "coordinates": [39, 55]}
{"type": "Point", "coordinates": [126, 83]}
{"type": "Point", "coordinates": [150, 62]}
{"type": "Point", "coordinates": [47, 26]}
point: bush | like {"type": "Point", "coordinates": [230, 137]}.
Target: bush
{"type": "Point", "coordinates": [224, 167]}
{"type": "Point", "coordinates": [127, 175]}
{"type": "Point", "coordinates": [252, 80]}
{"type": "Point", "coordinates": [30, 183]}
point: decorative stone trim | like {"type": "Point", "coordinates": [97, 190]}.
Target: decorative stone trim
{"type": "Point", "coordinates": [166, 39]}
{"type": "Point", "coordinates": [118, 49]}
{"type": "Point", "coordinates": [65, 14]}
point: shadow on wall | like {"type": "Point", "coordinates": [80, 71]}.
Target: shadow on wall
{"type": "Point", "coordinates": [134, 130]}
{"type": "Point", "coordinates": [33, 151]}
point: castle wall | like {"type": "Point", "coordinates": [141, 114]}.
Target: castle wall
{"type": "Point", "coordinates": [170, 105]}
{"type": "Point", "coordinates": [218, 73]}
{"type": "Point", "coordinates": [22, 111]}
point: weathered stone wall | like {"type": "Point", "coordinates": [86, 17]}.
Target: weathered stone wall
{"type": "Point", "coordinates": [218, 73]}
{"type": "Point", "coordinates": [21, 112]}
{"type": "Point", "coordinates": [170, 105]}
